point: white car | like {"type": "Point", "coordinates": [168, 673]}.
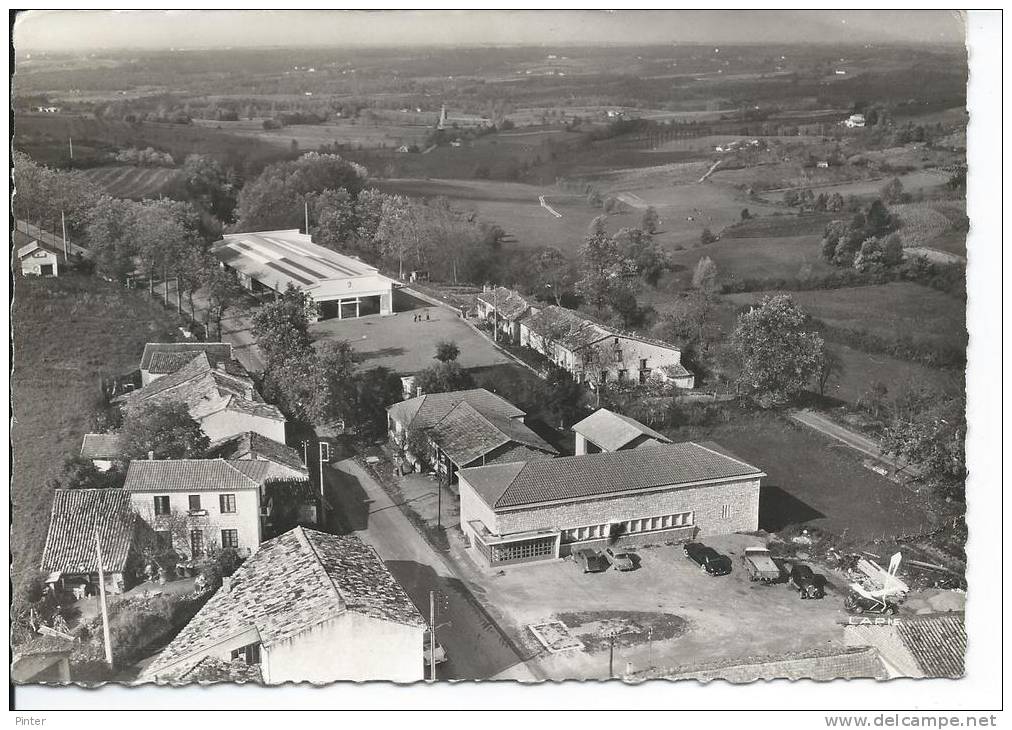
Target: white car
{"type": "Point", "coordinates": [440, 652]}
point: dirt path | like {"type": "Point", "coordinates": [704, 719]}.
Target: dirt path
{"type": "Point", "coordinates": [546, 206]}
{"type": "Point", "coordinates": [853, 439]}
{"type": "Point", "coordinates": [712, 170]}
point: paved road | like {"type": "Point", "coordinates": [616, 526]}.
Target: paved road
{"type": "Point", "coordinates": [475, 646]}
{"type": "Point", "coordinates": [853, 439]}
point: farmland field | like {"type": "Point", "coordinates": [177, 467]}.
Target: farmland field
{"type": "Point", "coordinates": [812, 479]}
{"type": "Point", "coordinates": [312, 136]}
{"type": "Point", "coordinates": [886, 310]}
{"type": "Point", "coordinates": [125, 181]}
{"type": "Point", "coordinates": [932, 225]}
{"type": "Point", "coordinates": [67, 332]}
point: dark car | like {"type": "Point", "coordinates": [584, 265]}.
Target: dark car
{"type": "Point", "coordinates": [621, 560]}
{"type": "Point", "coordinates": [708, 559]}
{"type": "Point", "coordinates": [804, 580]}
{"type": "Point", "coordinates": [591, 561]}
{"type": "Point", "coordinates": [859, 604]}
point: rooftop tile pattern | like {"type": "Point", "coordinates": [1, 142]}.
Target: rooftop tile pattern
{"type": "Point", "coordinates": [76, 516]}
{"type": "Point", "coordinates": [186, 475]}
{"type": "Point", "coordinates": [611, 431]}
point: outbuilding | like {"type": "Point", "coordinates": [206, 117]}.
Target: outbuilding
{"type": "Point", "coordinates": [539, 510]}
{"type": "Point", "coordinates": [270, 261]}
{"type": "Point", "coordinates": [36, 260]}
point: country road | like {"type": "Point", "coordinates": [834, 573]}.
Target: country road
{"type": "Point", "coordinates": [853, 439]}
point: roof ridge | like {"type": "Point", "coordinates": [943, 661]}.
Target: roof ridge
{"type": "Point", "coordinates": [300, 533]}
{"type": "Point", "coordinates": [714, 451]}
{"type": "Point", "coordinates": [228, 463]}
{"type": "Point", "coordinates": [512, 482]}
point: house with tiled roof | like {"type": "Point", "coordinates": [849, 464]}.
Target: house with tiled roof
{"type": "Point", "coordinates": [220, 396]}
{"type": "Point", "coordinates": [283, 461]}
{"type": "Point", "coordinates": [70, 555]}
{"type": "Point", "coordinates": [164, 358]}
{"type": "Point", "coordinates": [104, 450]}
{"type": "Point", "coordinates": [926, 645]}
{"type": "Point", "coordinates": [502, 309]}
{"type": "Point", "coordinates": [306, 607]}
{"type": "Point", "coordinates": [537, 510]}
{"type": "Point", "coordinates": [465, 427]}
{"type": "Point", "coordinates": [596, 353]}
{"type": "Point", "coordinates": [194, 504]}
{"type": "Point", "coordinates": [605, 430]}
{"type": "Point", "coordinates": [467, 437]}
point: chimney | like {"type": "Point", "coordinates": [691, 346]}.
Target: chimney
{"type": "Point", "coordinates": [151, 456]}
{"type": "Point", "coordinates": [418, 391]}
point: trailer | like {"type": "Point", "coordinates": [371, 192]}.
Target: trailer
{"type": "Point", "coordinates": [760, 566]}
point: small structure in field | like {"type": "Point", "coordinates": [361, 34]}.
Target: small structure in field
{"type": "Point", "coordinates": [37, 260]}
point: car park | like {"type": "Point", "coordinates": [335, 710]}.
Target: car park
{"type": "Point", "coordinates": [805, 582]}
{"type": "Point", "coordinates": [708, 559]}
{"type": "Point", "coordinates": [591, 561]}
{"type": "Point", "coordinates": [621, 560]}
{"type": "Point", "coordinates": [860, 604]}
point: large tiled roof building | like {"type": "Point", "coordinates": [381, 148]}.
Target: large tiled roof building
{"type": "Point", "coordinates": [536, 510]}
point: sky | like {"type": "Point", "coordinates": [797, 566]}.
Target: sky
{"type": "Point", "coordinates": [52, 30]}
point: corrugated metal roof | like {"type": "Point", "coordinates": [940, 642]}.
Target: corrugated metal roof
{"type": "Point", "coordinates": [77, 514]}
{"type": "Point", "coordinates": [187, 475]}
{"type": "Point", "coordinates": [611, 431]}
{"type": "Point", "coordinates": [279, 258]}
{"type": "Point", "coordinates": [597, 475]}
{"type": "Point", "coordinates": [289, 585]}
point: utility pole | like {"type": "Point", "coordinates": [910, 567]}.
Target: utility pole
{"type": "Point", "coordinates": [305, 452]}
{"type": "Point", "coordinates": [306, 203]}
{"type": "Point", "coordinates": [66, 245]}
{"type": "Point", "coordinates": [179, 300]}
{"type": "Point", "coordinates": [324, 455]}
{"type": "Point", "coordinates": [611, 655]}
{"type": "Point", "coordinates": [71, 141]}
{"type": "Point", "coordinates": [439, 497]}
{"type": "Point", "coordinates": [432, 636]}
{"type": "Point", "coordinates": [101, 598]}
{"type": "Point", "coordinates": [165, 285]}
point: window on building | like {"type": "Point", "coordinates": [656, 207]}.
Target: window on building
{"type": "Point", "coordinates": [725, 511]}
{"type": "Point", "coordinates": [162, 505]}
{"type": "Point", "coordinates": [163, 539]}
{"type": "Point", "coordinates": [227, 503]}
{"type": "Point", "coordinates": [249, 653]}
{"type": "Point", "coordinates": [523, 550]}
{"type": "Point", "coordinates": [194, 501]}
{"type": "Point", "coordinates": [623, 374]}
{"type": "Point", "coordinates": [643, 363]}
{"type": "Point", "coordinates": [196, 543]}
{"type": "Point", "coordinates": [230, 538]}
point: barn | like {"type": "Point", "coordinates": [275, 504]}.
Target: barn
{"type": "Point", "coordinates": [270, 261]}
{"type": "Point", "coordinates": [539, 510]}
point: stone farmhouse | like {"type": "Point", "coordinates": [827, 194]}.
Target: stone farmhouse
{"type": "Point", "coordinates": [306, 607]}
{"type": "Point", "coordinates": [590, 351]}
{"type": "Point", "coordinates": [220, 397]}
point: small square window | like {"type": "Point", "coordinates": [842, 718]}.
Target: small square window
{"type": "Point", "coordinates": [227, 503]}
{"type": "Point", "coordinates": [162, 505]}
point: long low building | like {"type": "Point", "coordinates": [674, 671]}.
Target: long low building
{"type": "Point", "coordinates": [538, 510]}
{"type": "Point", "coordinates": [341, 286]}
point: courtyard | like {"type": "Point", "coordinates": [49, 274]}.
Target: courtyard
{"type": "Point", "coordinates": [405, 341]}
{"type": "Point", "coordinates": [666, 613]}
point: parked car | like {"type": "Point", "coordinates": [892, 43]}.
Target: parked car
{"type": "Point", "coordinates": [804, 580]}
{"type": "Point", "coordinates": [621, 561]}
{"type": "Point", "coordinates": [439, 654]}
{"type": "Point", "coordinates": [591, 561]}
{"type": "Point", "coordinates": [759, 565]}
{"type": "Point", "coordinates": [708, 559]}
{"type": "Point", "coordinates": [859, 604]}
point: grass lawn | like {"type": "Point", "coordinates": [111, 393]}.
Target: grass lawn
{"type": "Point", "coordinates": [399, 343]}
{"type": "Point", "coordinates": [813, 479]}
{"type": "Point", "coordinates": [886, 310]}
{"type": "Point", "coordinates": [67, 332]}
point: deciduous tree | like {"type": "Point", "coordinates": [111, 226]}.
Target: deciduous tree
{"type": "Point", "coordinates": [165, 428]}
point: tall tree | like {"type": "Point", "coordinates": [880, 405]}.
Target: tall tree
{"type": "Point", "coordinates": [165, 428]}
{"type": "Point", "coordinates": [281, 327]}
{"type": "Point", "coordinates": [211, 186]}
{"type": "Point", "coordinates": [650, 220]}
{"type": "Point", "coordinates": [704, 276]}
{"type": "Point", "coordinates": [777, 355]}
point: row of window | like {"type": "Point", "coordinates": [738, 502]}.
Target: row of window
{"type": "Point", "coordinates": [229, 539]}
{"type": "Point", "coordinates": [226, 504]}
{"type": "Point", "coordinates": [629, 527]}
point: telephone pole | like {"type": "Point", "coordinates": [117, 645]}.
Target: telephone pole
{"type": "Point", "coordinates": [432, 636]}
{"type": "Point", "coordinates": [66, 245]}
{"type": "Point", "coordinates": [306, 203]}
{"type": "Point", "coordinates": [101, 598]}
